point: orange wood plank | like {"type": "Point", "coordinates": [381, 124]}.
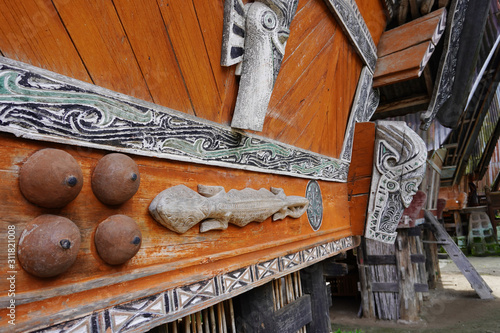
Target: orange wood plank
{"type": "Point", "coordinates": [211, 28]}
{"type": "Point", "coordinates": [182, 24]}
{"type": "Point", "coordinates": [362, 153]}
{"type": "Point", "coordinates": [162, 251]}
{"type": "Point", "coordinates": [308, 17]}
{"type": "Point", "coordinates": [154, 53]}
{"type": "Point", "coordinates": [31, 32]}
{"type": "Point", "coordinates": [373, 13]}
{"type": "Point", "coordinates": [303, 102]}
{"type": "Point", "coordinates": [98, 35]}
{"type": "Point", "coordinates": [301, 59]}
{"type": "Point", "coordinates": [360, 173]}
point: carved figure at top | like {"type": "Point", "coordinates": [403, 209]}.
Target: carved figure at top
{"type": "Point", "coordinates": [179, 208]}
{"type": "Point", "coordinates": [254, 37]}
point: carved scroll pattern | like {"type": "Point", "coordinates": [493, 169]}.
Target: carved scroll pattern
{"type": "Point", "coordinates": [448, 64]}
{"type": "Point", "coordinates": [399, 167]}
{"type": "Point", "coordinates": [38, 104]}
{"type": "Point", "coordinates": [144, 313]}
{"type": "Point", "coordinates": [348, 15]}
{"type": "Point", "coordinates": [365, 103]}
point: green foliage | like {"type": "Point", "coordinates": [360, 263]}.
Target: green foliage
{"type": "Point", "coordinates": [355, 331]}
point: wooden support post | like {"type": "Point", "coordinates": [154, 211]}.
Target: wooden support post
{"type": "Point", "coordinates": [254, 312]}
{"type": "Point", "coordinates": [313, 283]}
{"type": "Point", "coordinates": [431, 259]}
{"type": "Point", "coordinates": [458, 223]}
{"type": "Point", "coordinates": [367, 301]}
{"type": "Point", "coordinates": [393, 277]}
{"type": "Point", "coordinates": [408, 306]}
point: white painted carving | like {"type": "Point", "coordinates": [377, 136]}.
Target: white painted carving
{"type": "Point", "coordinates": [365, 103]}
{"type": "Point", "coordinates": [399, 167]}
{"type": "Point", "coordinates": [255, 35]}
{"type": "Point", "coordinates": [179, 208]}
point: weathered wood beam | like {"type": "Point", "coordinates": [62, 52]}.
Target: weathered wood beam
{"type": "Point", "coordinates": [254, 312]}
{"type": "Point", "coordinates": [401, 107]}
{"type": "Point", "coordinates": [314, 284]}
{"type": "Point", "coordinates": [335, 269]}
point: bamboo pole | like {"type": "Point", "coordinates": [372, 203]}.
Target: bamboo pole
{"type": "Point", "coordinates": [231, 312]}
{"type": "Point", "coordinates": [198, 322]}
{"type": "Point", "coordinates": [187, 326]}
{"type": "Point", "coordinates": [212, 319]}
{"type": "Point", "coordinates": [206, 321]}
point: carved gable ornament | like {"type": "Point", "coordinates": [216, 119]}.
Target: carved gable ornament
{"type": "Point", "coordinates": [254, 37]}
{"type": "Point", "coordinates": [399, 167]}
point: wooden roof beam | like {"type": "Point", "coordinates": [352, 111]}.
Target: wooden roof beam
{"type": "Point", "coordinates": [403, 53]}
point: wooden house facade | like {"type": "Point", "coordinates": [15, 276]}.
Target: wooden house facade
{"type": "Point", "coordinates": [144, 79]}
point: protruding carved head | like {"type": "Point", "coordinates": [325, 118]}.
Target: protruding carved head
{"type": "Point", "coordinates": [179, 208]}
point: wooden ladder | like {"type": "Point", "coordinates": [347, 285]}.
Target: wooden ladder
{"type": "Point", "coordinates": [476, 281]}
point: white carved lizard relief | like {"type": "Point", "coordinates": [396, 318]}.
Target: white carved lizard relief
{"type": "Point", "coordinates": [179, 208]}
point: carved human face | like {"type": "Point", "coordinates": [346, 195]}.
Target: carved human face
{"type": "Point", "coordinates": [409, 188]}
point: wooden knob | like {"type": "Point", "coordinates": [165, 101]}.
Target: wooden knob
{"type": "Point", "coordinates": [115, 179]}
{"type": "Point", "coordinates": [50, 178]}
{"type": "Point", "coordinates": [48, 245]}
{"type": "Point", "coordinates": [117, 239]}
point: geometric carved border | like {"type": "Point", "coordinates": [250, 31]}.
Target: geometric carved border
{"type": "Point", "coordinates": [167, 306]}
{"type": "Point", "coordinates": [349, 17]}
{"type": "Point", "coordinates": [365, 102]}
{"type": "Point", "coordinates": [42, 105]}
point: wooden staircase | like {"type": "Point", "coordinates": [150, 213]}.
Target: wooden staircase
{"type": "Point", "coordinates": [476, 281]}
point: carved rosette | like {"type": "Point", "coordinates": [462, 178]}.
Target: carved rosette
{"type": "Point", "coordinates": [399, 167]}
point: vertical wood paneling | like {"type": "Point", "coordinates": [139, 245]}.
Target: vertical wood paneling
{"type": "Point", "coordinates": [148, 37]}
{"type": "Point", "coordinates": [95, 29]}
{"type": "Point", "coordinates": [184, 30]}
{"type": "Point", "coordinates": [31, 31]}
{"type": "Point", "coordinates": [211, 28]}
{"type": "Point", "coordinates": [168, 52]}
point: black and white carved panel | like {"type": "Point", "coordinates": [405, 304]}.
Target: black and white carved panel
{"type": "Point", "coordinates": [365, 103]}
{"type": "Point", "coordinates": [399, 167]}
{"type": "Point", "coordinates": [143, 314]}
{"type": "Point", "coordinates": [315, 208]}
{"type": "Point", "coordinates": [42, 105]}
{"type": "Point", "coordinates": [448, 64]}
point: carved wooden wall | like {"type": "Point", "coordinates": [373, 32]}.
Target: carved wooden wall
{"type": "Point", "coordinates": [168, 52]}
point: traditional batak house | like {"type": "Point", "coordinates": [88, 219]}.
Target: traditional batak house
{"type": "Point", "coordinates": [192, 165]}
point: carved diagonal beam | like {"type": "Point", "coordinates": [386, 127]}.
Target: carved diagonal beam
{"type": "Point", "coordinates": [348, 15]}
